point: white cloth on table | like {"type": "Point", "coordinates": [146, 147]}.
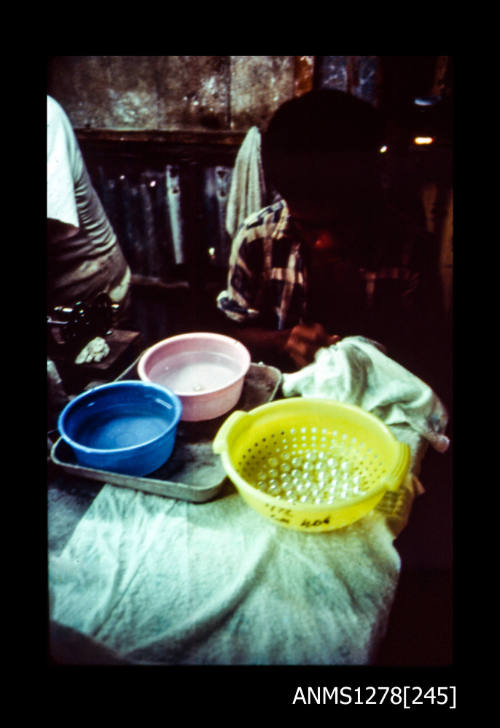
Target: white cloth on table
{"type": "Point", "coordinates": [358, 371]}
{"type": "Point", "coordinates": [171, 582]}
{"type": "Point", "coordinates": [168, 582]}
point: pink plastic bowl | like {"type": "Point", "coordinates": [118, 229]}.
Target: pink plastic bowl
{"type": "Point", "coordinates": [206, 371]}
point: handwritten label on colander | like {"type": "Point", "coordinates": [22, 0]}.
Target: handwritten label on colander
{"type": "Point", "coordinates": [277, 513]}
{"type": "Point", "coordinates": [315, 524]}
{"type": "Point", "coordinates": [283, 515]}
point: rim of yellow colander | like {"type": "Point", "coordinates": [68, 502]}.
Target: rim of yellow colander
{"type": "Point", "coordinates": [391, 481]}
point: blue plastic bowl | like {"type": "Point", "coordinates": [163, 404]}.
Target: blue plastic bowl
{"type": "Point", "coordinates": [126, 427]}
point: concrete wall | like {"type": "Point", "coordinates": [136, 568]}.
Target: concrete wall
{"type": "Point", "coordinates": [170, 93]}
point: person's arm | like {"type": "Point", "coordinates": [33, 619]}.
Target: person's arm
{"type": "Point", "coordinates": [288, 349]}
{"type": "Point", "coordinates": [304, 341]}
{"type": "Point", "coordinates": [265, 345]}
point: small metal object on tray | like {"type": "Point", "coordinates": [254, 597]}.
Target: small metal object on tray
{"type": "Point", "coordinates": [193, 472]}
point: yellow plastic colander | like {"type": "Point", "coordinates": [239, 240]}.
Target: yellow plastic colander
{"type": "Point", "coordinates": [311, 464]}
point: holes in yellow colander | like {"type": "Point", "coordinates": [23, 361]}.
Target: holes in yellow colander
{"type": "Point", "coordinates": [311, 465]}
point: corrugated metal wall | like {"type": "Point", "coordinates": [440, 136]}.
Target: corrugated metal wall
{"type": "Point", "coordinates": [170, 221]}
{"type": "Point", "coordinates": [147, 212]}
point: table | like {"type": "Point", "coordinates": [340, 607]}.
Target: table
{"type": "Point", "coordinates": [154, 580]}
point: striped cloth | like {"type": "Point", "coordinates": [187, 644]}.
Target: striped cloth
{"type": "Point", "coordinates": [268, 276]}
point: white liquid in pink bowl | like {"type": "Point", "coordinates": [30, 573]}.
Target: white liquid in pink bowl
{"type": "Point", "coordinates": [195, 372]}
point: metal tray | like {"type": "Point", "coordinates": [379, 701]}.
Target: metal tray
{"type": "Point", "coordinates": [193, 472]}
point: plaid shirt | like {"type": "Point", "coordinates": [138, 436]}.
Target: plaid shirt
{"type": "Point", "coordinates": [268, 276]}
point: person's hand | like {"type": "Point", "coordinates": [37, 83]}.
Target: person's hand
{"type": "Point", "coordinates": [305, 340]}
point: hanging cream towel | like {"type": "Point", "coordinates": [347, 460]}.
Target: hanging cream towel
{"type": "Point", "coordinates": [247, 193]}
